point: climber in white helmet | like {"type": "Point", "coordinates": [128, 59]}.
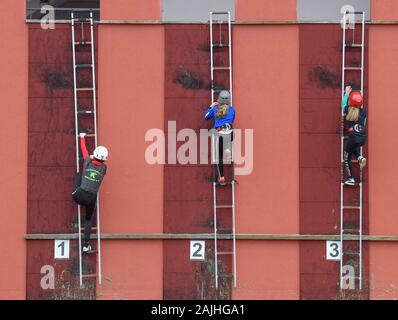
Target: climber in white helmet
{"type": "Point", "coordinates": [87, 185]}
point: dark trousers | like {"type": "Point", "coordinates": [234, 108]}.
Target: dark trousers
{"type": "Point", "coordinates": [224, 142]}
{"type": "Point", "coordinates": [352, 148]}
{"type": "Point", "coordinates": [88, 200]}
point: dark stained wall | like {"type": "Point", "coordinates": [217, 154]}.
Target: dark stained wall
{"type": "Point", "coordinates": [320, 100]}
{"type": "Point", "coordinates": [52, 160]}
{"type": "Point", "coordinates": [188, 199]}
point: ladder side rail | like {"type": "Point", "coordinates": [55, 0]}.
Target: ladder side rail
{"type": "Point", "coordinates": [214, 144]}
{"type": "Point", "coordinates": [96, 144]}
{"type": "Point", "coordinates": [213, 147]}
{"type": "Point", "coordinates": [234, 229]}
{"type": "Point", "coordinates": [360, 236]}
{"type": "Point", "coordinates": [361, 175]}
{"type": "Point", "coordinates": [233, 173]}
{"type": "Point", "coordinates": [363, 51]}
{"type": "Point", "coordinates": [342, 155]}
{"type": "Point", "coordinates": [93, 78]}
{"type": "Point", "coordinates": [230, 55]}
{"type": "Point", "coordinates": [77, 146]}
{"type": "Point", "coordinates": [211, 58]}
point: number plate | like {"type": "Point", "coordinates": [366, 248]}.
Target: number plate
{"type": "Point", "coordinates": [61, 249]}
{"type": "Point", "coordinates": [333, 250]}
{"type": "Point", "coordinates": [197, 251]}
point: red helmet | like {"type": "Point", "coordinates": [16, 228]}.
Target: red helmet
{"type": "Point", "coordinates": [356, 99]}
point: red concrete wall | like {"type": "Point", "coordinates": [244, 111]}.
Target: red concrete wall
{"type": "Point", "coordinates": [131, 9]}
{"type": "Point", "coordinates": [131, 93]}
{"type": "Point", "coordinates": [320, 101]}
{"type": "Point", "coordinates": [383, 67]}
{"type": "Point", "coordinates": [267, 270]}
{"type": "Point", "coordinates": [265, 203]}
{"type": "Point", "coordinates": [252, 10]}
{"type": "Point", "coordinates": [384, 9]}
{"type": "Point", "coordinates": [132, 270]}
{"type": "Point", "coordinates": [383, 271]}
{"type": "Point", "coordinates": [13, 155]}
{"type": "Point", "coordinates": [275, 148]}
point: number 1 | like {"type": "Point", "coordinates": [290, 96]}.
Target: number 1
{"type": "Point", "coordinates": [62, 246]}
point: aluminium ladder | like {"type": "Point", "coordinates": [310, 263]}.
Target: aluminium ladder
{"type": "Point", "coordinates": [84, 111]}
{"type": "Point", "coordinates": [220, 45]}
{"type": "Point", "coordinates": [355, 254]}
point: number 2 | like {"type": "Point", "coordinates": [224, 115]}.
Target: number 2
{"type": "Point", "coordinates": [196, 254]}
{"type": "Point", "coordinates": [197, 250]}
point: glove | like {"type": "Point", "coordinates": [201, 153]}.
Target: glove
{"type": "Point", "coordinates": [82, 135]}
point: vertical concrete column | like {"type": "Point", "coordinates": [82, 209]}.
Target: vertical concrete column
{"type": "Point", "coordinates": [13, 153]}
{"type": "Point", "coordinates": [383, 205]}
{"type": "Point", "coordinates": [131, 102]}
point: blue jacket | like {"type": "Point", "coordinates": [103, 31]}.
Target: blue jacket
{"type": "Point", "coordinates": [219, 122]}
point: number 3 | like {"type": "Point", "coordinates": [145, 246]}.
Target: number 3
{"type": "Point", "coordinates": [333, 250]}
{"type": "Point", "coordinates": [336, 251]}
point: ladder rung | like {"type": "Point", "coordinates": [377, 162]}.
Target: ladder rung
{"type": "Point", "coordinates": [354, 231]}
{"type": "Point", "coordinates": [224, 206]}
{"type": "Point", "coordinates": [354, 277]}
{"type": "Point", "coordinates": [225, 252]}
{"type": "Point", "coordinates": [82, 43]}
{"type": "Point", "coordinates": [81, 19]}
{"type": "Point", "coordinates": [219, 12]}
{"type": "Point", "coordinates": [88, 134]}
{"type": "Point", "coordinates": [84, 65]}
{"type": "Point", "coordinates": [220, 45]}
{"type": "Point", "coordinates": [224, 184]}
{"type": "Point", "coordinates": [352, 207]}
{"type": "Point", "coordinates": [85, 111]}
{"type": "Point", "coordinates": [93, 228]}
{"type": "Point", "coordinates": [356, 184]}
{"type": "Point", "coordinates": [225, 275]}
{"type": "Point", "coordinates": [221, 68]}
{"type": "Point", "coordinates": [90, 275]}
{"type": "Point", "coordinates": [84, 89]}
{"type": "Point", "coordinates": [352, 68]}
{"type": "Point", "coordinates": [353, 45]}
{"type": "Point", "coordinates": [351, 253]}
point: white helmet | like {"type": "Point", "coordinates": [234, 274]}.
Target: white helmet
{"type": "Point", "coordinates": [101, 153]}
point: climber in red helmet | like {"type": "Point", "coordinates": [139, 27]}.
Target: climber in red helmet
{"type": "Point", "coordinates": [355, 121]}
